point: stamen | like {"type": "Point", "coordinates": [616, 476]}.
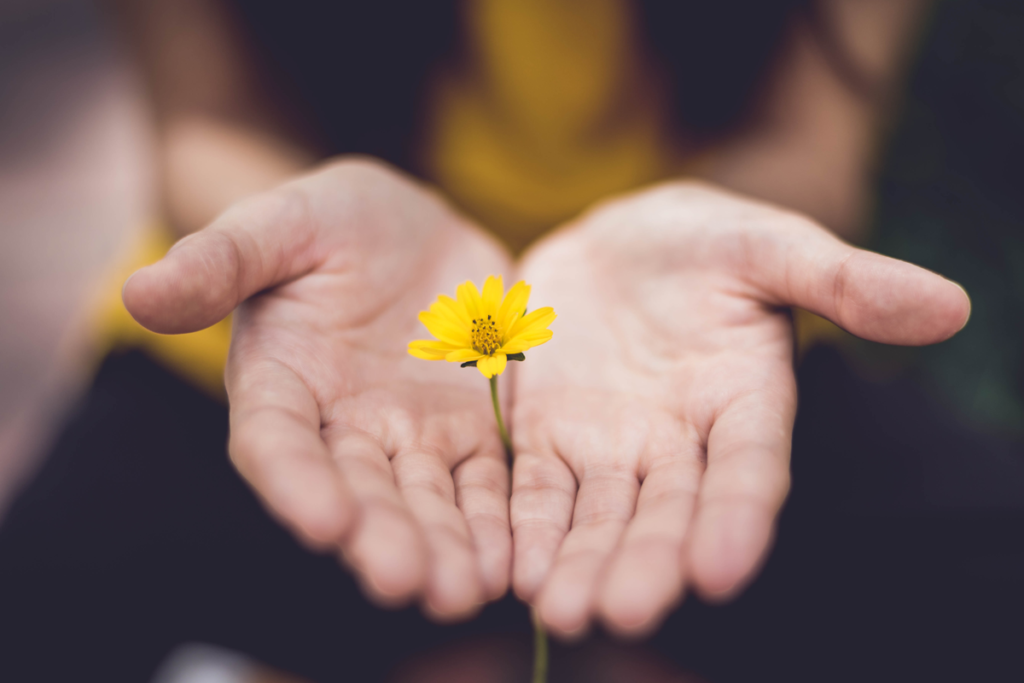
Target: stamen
{"type": "Point", "coordinates": [485, 336]}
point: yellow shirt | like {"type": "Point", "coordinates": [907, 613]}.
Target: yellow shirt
{"type": "Point", "coordinates": [553, 111]}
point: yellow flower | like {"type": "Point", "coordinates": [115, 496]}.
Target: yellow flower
{"type": "Point", "coordinates": [486, 328]}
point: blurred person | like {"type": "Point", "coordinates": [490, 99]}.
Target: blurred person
{"type": "Point", "coordinates": [671, 177]}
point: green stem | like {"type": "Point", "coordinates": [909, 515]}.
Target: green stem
{"type": "Point", "coordinates": [540, 637]}
{"type": "Point", "coordinates": [497, 413]}
{"type": "Point", "coordinates": [540, 650]}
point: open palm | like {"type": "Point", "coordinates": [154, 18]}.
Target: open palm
{"type": "Point", "coordinates": [652, 433]}
{"type": "Point", "coordinates": [355, 445]}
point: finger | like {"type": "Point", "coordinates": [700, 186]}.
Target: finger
{"type": "Point", "coordinates": [255, 244]}
{"type": "Point", "coordinates": [742, 490]}
{"type": "Point", "coordinates": [645, 576]}
{"type": "Point", "coordinates": [453, 588]}
{"type": "Point", "coordinates": [275, 444]}
{"type": "Point", "coordinates": [604, 504]}
{"type": "Point", "coordinates": [482, 493]}
{"type": "Point", "coordinates": [867, 294]}
{"type": "Point", "coordinates": [543, 494]}
{"type": "Point", "coordinates": [385, 548]}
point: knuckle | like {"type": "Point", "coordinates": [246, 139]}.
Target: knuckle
{"type": "Point", "coordinates": [435, 487]}
{"type": "Point", "coordinates": [224, 267]}
{"type": "Point", "coordinates": [447, 534]}
{"type": "Point", "coordinates": [491, 519]}
{"type": "Point", "coordinates": [840, 285]}
{"type": "Point", "coordinates": [482, 487]}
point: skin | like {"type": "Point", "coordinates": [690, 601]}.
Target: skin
{"type": "Point", "coordinates": [652, 432]}
{"type": "Point", "coordinates": [391, 462]}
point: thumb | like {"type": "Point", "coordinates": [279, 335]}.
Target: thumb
{"type": "Point", "coordinates": [872, 296]}
{"type": "Point", "coordinates": [258, 243]}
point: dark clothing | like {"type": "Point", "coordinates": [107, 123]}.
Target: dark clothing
{"type": "Point", "coordinates": [355, 73]}
{"type": "Point", "coordinates": [899, 557]}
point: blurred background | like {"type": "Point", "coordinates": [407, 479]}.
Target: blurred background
{"type": "Point", "coordinates": [77, 189]}
{"type": "Point", "coordinates": [75, 186]}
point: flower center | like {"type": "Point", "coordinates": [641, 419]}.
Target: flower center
{"type": "Point", "coordinates": [485, 336]}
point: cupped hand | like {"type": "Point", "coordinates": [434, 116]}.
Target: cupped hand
{"type": "Point", "coordinates": [394, 463]}
{"type": "Point", "coordinates": [652, 434]}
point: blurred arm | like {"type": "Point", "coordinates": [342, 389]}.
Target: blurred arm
{"type": "Point", "coordinates": [812, 145]}
{"type": "Point", "coordinates": [221, 133]}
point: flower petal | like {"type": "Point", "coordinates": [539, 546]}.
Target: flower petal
{"type": "Point", "coordinates": [532, 322]}
{"type": "Point", "coordinates": [489, 366]}
{"type": "Point", "coordinates": [428, 349]}
{"type": "Point", "coordinates": [494, 289]}
{"type": "Point", "coordinates": [434, 344]}
{"type": "Point", "coordinates": [457, 309]}
{"type": "Point", "coordinates": [426, 355]}
{"type": "Point", "coordinates": [444, 330]}
{"type": "Point", "coordinates": [523, 342]}
{"type": "Point", "coordinates": [513, 306]}
{"type": "Point", "coordinates": [441, 309]}
{"type": "Point", "coordinates": [469, 296]}
{"type": "Point", "coordinates": [463, 355]}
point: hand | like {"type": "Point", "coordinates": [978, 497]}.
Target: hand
{"type": "Point", "coordinates": [351, 442]}
{"type": "Point", "coordinates": [652, 434]}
